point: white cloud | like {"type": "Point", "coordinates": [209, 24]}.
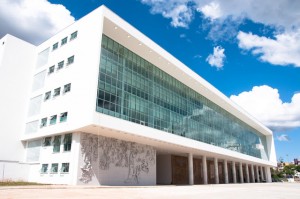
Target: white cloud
{"type": "Point", "coordinates": [217, 58]}
{"type": "Point", "coordinates": [179, 11]}
{"type": "Point", "coordinates": [283, 137]}
{"type": "Point", "coordinates": [182, 35]}
{"type": "Point", "coordinates": [264, 103]}
{"type": "Point", "coordinates": [225, 17]}
{"type": "Point", "coordinates": [279, 13]}
{"type": "Point", "coordinates": [283, 13]}
{"type": "Point", "coordinates": [211, 10]}
{"type": "Point", "coordinates": [32, 20]}
{"type": "Point", "coordinates": [283, 50]}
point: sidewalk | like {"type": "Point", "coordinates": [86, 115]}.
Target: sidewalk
{"type": "Point", "coordinates": [229, 191]}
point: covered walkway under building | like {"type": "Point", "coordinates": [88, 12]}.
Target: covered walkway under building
{"type": "Point", "coordinates": [190, 169]}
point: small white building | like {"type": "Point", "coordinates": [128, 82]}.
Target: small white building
{"type": "Point", "coordinates": [99, 103]}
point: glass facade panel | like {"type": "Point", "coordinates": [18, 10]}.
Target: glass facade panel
{"type": "Point", "coordinates": [131, 88]}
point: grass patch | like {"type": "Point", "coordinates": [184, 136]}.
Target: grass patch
{"type": "Point", "coordinates": [17, 183]}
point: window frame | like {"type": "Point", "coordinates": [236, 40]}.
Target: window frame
{"type": "Point", "coordinates": [56, 144]}
{"type": "Point", "coordinates": [56, 92]}
{"type": "Point", "coordinates": [70, 60]}
{"type": "Point", "coordinates": [64, 41]}
{"type": "Point", "coordinates": [63, 117]}
{"type": "Point", "coordinates": [67, 142]}
{"type": "Point", "coordinates": [67, 88]}
{"type": "Point", "coordinates": [65, 166]}
{"type": "Point", "coordinates": [52, 119]}
{"type": "Point", "coordinates": [47, 96]}
{"type": "Point", "coordinates": [60, 65]}
{"type": "Point", "coordinates": [51, 69]}
{"type": "Point", "coordinates": [47, 142]}
{"type": "Point", "coordinates": [53, 166]}
{"type": "Point", "coordinates": [43, 122]}
{"type": "Point", "coordinates": [72, 37]}
{"type": "Point", "coordinates": [55, 46]}
{"type": "Point", "coordinates": [43, 168]}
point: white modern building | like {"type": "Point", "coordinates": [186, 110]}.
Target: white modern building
{"type": "Point", "coordinates": [100, 103]}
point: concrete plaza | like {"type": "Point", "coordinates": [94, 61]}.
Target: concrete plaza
{"type": "Point", "coordinates": [229, 191]}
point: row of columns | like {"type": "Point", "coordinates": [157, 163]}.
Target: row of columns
{"type": "Point", "coordinates": [250, 176]}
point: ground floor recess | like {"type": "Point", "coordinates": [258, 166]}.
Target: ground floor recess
{"type": "Point", "coordinates": [183, 170]}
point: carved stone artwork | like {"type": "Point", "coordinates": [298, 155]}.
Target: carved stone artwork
{"type": "Point", "coordinates": [107, 152]}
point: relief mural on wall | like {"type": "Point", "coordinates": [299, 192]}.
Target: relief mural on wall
{"type": "Point", "coordinates": [107, 152]}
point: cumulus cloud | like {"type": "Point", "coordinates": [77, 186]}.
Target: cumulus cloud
{"type": "Point", "coordinates": [264, 103]}
{"type": "Point", "coordinates": [283, 137]}
{"type": "Point", "coordinates": [283, 50]}
{"type": "Point", "coordinates": [211, 10]}
{"type": "Point", "coordinates": [32, 20]}
{"type": "Point", "coordinates": [279, 13]}
{"type": "Point", "coordinates": [179, 11]}
{"type": "Point", "coordinates": [223, 24]}
{"type": "Point", "coordinates": [217, 58]}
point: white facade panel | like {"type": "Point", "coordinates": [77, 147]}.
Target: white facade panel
{"type": "Point", "coordinates": [39, 80]}
{"type": "Point", "coordinates": [35, 105]}
{"type": "Point", "coordinates": [33, 150]}
{"type": "Point", "coordinates": [17, 60]}
{"type": "Point", "coordinates": [31, 127]}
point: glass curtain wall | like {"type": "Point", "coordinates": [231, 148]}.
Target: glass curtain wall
{"type": "Point", "coordinates": [133, 89]}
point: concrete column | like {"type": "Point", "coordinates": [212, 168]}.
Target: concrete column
{"type": "Point", "coordinates": [262, 173]}
{"type": "Point", "coordinates": [257, 174]}
{"type": "Point", "coordinates": [252, 173]}
{"type": "Point", "coordinates": [233, 172]}
{"type": "Point", "coordinates": [268, 174]}
{"type": "Point", "coordinates": [247, 173]}
{"type": "Point", "coordinates": [216, 171]}
{"type": "Point", "coordinates": [204, 171]}
{"type": "Point", "coordinates": [226, 172]}
{"type": "Point", "coordinates": [241, 173]}
{"type": "Point", "coordinates": [191, 169]}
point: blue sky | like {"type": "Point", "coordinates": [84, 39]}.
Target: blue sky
{"type": "Point", "coordinates": [249, 50]}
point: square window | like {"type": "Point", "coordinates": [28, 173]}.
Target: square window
{"type": "Point", "coordinates": [64, 41]}
{"type": "Point", "coordinates": [54, 168]}
{"type": "Point", "coordinates": [60, 65]}
{"type": "Point", "coordinates": [56, 144]}
{"type": "Point", "coordinates": [43, 122]}
{"type": "Point", "coordinates": [67, 142]}
{"type": "Point", "coordinates": [56, 92]}
{"type": "Point", "coordinates": [73, 35]}
{"type": "Point", "coordinates": [67, 88]}
{"type": "Point", "coordinates": [51, 70]}
{"type": "Point", "coordinates": [47, 96]}
{"type": "Point", "coordinates": [55, 46]}
{"type": "Point", "coordinates": [53, 119]}
{"type": "Point", "coordinates": [63, 117]}
{"type": "Point", "coordinates": [70, 60]}
{"type": "Point", "coordinates": [47, 141]}
{"type": "Point", "coordinates": [65, 167]}
{"type": "Point", "coordinates": [44, 168]}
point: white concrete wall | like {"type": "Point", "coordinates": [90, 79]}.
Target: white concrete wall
{"type": "Point", "coordinates": [14, 171]}
{"type": "Point", "coordinates": [80, 102]}
{"type": "Point", "coordinates": [164, 169]}
{"type": "Point", "coordinates": [47, 156]}
{"type": "Point", "coordinates": [16, 62]}
{"type": "Point", "coordinates": [108, 161]}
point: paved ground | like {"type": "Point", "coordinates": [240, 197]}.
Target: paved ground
{"type": "Point", "coordinates": [231, 191]}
